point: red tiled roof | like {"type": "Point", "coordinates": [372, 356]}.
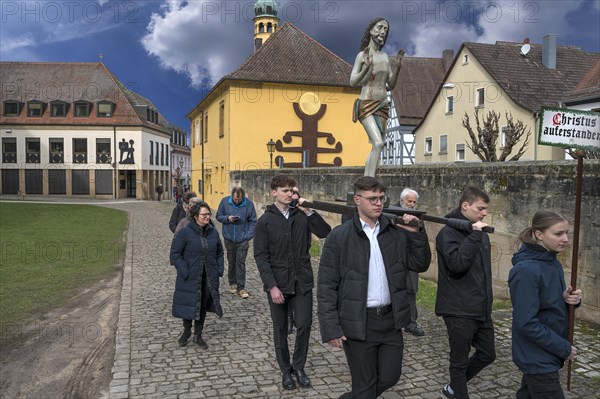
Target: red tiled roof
{"type": "Point", "coordinates": [69, 82]}
{"type": "Point", "coordinates": [415, 89]}
{"type": "Point", "coordinates": [181, 148]}
{"type": "Point", "coordinates": [526, 79]}
{"type": "Point", "coordinates": [588, 86]}
{"type": "Point", "coordinates": [291, 56]}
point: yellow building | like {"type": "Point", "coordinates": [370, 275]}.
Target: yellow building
{"type": "Point", "coordinates": [291, 90]}
{"type": "Point", "coordinates": [506, 78]}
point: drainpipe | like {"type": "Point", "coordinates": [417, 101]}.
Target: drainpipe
{"type": "Point", "coordinates": [535, 143]}
{"type": "Point", "coordinates": [115, 167]}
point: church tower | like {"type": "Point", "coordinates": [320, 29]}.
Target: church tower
{"type": "Point", "coordinates": [265, 21]}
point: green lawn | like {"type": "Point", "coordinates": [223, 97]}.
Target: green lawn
{"type": "Point", "coordinates": [50, 251]}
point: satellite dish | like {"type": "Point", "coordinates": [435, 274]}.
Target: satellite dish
{"type": "Point", "coordinates": [525, 49]}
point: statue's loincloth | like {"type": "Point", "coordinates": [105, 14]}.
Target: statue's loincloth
{"type": "Point", "coordinates": [380, 110]}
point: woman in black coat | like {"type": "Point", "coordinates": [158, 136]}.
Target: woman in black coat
{"type": "Point", "coordinates": [197, 254]}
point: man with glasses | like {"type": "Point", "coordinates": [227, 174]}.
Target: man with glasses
{"type": "Point", "coordinates": [361, 290]}
{"type": "Point", "coordinates": [236, 213]}
{"type": "Point", "coordinates": [281, 250]}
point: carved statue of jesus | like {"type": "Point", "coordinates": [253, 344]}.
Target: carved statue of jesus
{"type": "Point", "coordinates": [375, 73]}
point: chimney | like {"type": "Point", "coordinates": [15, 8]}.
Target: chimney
{"type": "Point", "coordinates": [447, 57]}
{"type": "Point", "coordinates": [549, 51]}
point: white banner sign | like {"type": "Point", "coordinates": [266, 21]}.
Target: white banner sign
{"type": "Point", "coordinates": [570, 128]}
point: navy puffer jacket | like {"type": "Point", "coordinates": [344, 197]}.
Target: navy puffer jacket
{"type": "Point", "coordinates": [540, 314]}
{"type": "Point", "coordinates": [188, 249]}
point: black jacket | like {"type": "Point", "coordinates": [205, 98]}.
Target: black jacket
{"type": "Point", "coordinates": [177, 214]}
{"type": "Point", "coordinates": [281, 248]}
{"type": "Point", "coordinates": [344, 272]}
{"type": "Point", "coordinates": [464, 272]}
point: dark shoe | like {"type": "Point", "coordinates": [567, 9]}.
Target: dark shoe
{"type": "Point", "coordinates": [200, 342]}
{"type": "Point", "coordinates": [287, 382]}
{"type": "Point", "coordinates": [302, 378]}
{"type": "Point", "coordinates": [446, 392]}
{"type": "Point", "coordinates": [347, 395]}
{"type": "Point", "coordinates": [415, 330]}
{"type": "Point", "coordinates": [187, 333]}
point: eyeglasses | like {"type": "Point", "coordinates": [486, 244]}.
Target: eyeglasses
{"type": "Point", "coordinates": [205, 214]}
{"type": "Point", "coordinates": [375, 200]}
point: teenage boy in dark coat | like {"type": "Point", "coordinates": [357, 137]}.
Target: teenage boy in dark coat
{"type": "Point", "coordinates": [362, 293]}
{"type": "Point", "coordinates": [464, 292]}
{"type": "Point", "coordinates": [281, 250]}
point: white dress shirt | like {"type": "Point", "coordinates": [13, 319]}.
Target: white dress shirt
{"type": "Point", "coordinates": [378, 292]}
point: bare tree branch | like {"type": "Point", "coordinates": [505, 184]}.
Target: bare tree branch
{"type": "Point", "coordinates": [514, 133]}
{"type": "Point", "coordinates": [475, 143]}
{"type": "Point", "coordinates": [484, 143]}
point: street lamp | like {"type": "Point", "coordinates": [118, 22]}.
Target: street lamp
{"type": "Point", "coordinates": [271, 149]}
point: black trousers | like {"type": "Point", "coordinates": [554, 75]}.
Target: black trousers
{"type": "Point", "coordinates": [540, 386]}
{"type": "Point", "coordinates": [302, 305]}
{"type": "Point", "coordinates": [236, 263]}
{"type": "Point", "coordinates": [462, 335]}
{"type": "Point", "coordinates": [375, 363]}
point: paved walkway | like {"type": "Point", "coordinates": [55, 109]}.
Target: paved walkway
{"type": "Point", "coordinates": [240, 361]}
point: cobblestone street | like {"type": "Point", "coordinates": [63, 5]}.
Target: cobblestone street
{"type": "Point", "coordinates": [240, 361]}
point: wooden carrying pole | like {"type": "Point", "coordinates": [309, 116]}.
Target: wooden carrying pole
{"type": "Point", "coordinates": [395, 213]}
{"type": "Point", "coordinates": [578, 189]}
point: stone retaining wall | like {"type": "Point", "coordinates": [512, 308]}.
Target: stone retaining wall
{"type": "Point", "coordinates": [517, 190]}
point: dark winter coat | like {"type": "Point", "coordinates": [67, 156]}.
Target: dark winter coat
{"type": "Point", "coordinates": [187, 250]}
{"type": "Point", "coordinates": [464, 272]}
{"type": "Point", "coordinates": [177, 214]}
{"type": "Point", "coordinates": [540, 314]}
{"type": "Point", "coordinates": [242, 229]}
{"type": "Point", "coordinates": [281, 248]}
{"type": "Point", "coordinates": [343, 275]}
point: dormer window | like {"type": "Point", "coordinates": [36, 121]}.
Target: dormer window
{"type": "Point", "coordinates": [58, 109]}
{"type": "Point", "coordinates": [35, 108]}
{"type": "Point", "coordinates": [152, 115]}
{"type": "Point", "coordinates": [82, 109]}
{"type": "Point", "coordinates": [105, 109]}
{"type": "Point", "coordinates": [12, 108]}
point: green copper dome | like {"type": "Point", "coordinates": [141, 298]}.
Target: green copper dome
{"type": "Point", "coordinates": [265, 8]}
